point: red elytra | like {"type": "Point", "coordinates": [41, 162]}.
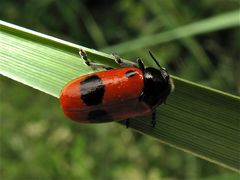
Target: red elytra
{"type": "Point", "coordinates": [105, 96]}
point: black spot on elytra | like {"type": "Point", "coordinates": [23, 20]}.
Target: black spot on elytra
{"type": "Point", "coordinates": [92, 90]}
{"type": "Point", "coordinates": [130, 73]}
{"type": "Point", "coordinates": [99, 115]}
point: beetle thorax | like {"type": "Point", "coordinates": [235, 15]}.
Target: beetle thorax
{"type": "Point", "coordinates": [157, 86]}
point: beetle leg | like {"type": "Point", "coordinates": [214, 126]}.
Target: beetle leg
{"type": "Point", "coordinates": [140, 64]}
{"type": "Point", "coordinates": [127, 123]}
{"type": "Point", "coordinates": [83, 55]}
{"type": "Point", "coordinates": [153, 119]}
{"type": "Point", "coordinates": [123, 63]}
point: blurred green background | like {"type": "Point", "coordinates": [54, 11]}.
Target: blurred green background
{"type": "Point", "coordinates": [37, 141]}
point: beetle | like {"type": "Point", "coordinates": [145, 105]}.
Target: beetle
{"type": "Point", "coordinates": [116, 94]}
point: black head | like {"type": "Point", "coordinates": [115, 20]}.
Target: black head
{"type": "Point", "coordinates": [157, 85]}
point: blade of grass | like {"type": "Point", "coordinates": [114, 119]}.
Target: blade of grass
{"type": "Point", "coordinates": [219, 22]}
{"type": "Point", "coordinates": [91, 25]}
{"type": "Point", "coordinates": [197, 119]}
{"type": "Point", "coordinates": [30, 57]}
{"type": "Point", "coordinates": [79, 10]}
{"type": "Point", "coordinates": [171, 20]}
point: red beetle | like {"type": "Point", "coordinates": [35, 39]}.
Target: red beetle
{"type": "Point", "coordinates": [116, 94]}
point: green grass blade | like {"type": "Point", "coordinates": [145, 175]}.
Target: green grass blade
{"type": "Point", "coordinates": [219, 22]}
{"type": "Point", "coordinates": [199, 120]}
{"type": "Point", "coordinates": [24, 58]}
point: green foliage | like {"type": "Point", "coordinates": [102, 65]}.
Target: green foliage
{"type": "Point", "coordinates": [39, 142]}
{"type": "Point", "coordinates": [211, 24]}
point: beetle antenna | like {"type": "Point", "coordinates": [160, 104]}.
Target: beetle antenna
{"type": "Point", "coordinates": [154, 59]}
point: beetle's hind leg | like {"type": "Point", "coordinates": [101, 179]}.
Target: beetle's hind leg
{"type": "Point", "coordinates": [83, 55]}
{"type": "Point", "coordinates": [123, 63]}
{"type": "Point", "coordinates": [153, 122]}
{"type": "Point", "coordinates": [127, 123]}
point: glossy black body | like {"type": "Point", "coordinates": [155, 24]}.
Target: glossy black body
{"type": "Point", "coordinates": [157, 86]}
